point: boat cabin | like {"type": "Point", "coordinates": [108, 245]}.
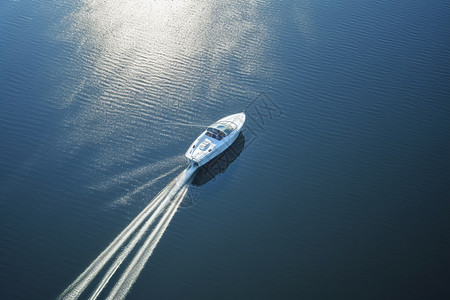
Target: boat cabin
{"type": "Point", "coordinates": [219, 130]}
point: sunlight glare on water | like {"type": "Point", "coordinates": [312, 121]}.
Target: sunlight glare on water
{"type": "Point", "coordinates": [148, 60]}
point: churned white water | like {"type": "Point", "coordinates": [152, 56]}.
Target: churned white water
{"type": "Point", "coordinates": [160, 210]}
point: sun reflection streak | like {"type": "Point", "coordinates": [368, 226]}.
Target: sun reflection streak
{"type": "Point", "coordinates": [156, 27]}
{"type": "Point", "coordinates": [143, 63]}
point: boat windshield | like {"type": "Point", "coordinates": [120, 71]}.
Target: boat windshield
{"type": "Point", "coordinates": [220, 130]}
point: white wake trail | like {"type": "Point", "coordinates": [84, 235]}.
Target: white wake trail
{"type": "Point", "coordinates": [80, 284]}
{"type": "Point", "coordinates": [157, 167]}
{"type": "Point", "coordinates": [176, 191]}
{"type": "Point", "coordinates": [130, 246]}
{"type": "Point", "coordinates": [132, 272]}
{"type": "Point", "coordinates": [124, 199]}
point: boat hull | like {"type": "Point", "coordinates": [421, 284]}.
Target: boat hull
{"type": "Point", "coordinates": [206, 147]}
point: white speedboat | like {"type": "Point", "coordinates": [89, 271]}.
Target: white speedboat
{"type": "Point", "coordinates": [215, 139]}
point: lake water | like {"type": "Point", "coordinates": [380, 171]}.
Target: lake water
{"type": "Point", "coordinates": [338, 187]}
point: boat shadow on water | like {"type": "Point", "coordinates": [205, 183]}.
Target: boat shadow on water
{"type": "Point", "coordinates": [220, 163]}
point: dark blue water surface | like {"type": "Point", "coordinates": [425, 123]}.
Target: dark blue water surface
{"type": "Point", "coordinates": [341, 190]}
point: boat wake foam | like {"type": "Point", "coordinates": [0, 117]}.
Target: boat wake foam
{"type": "Point", "coordinates": [140, 238]}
